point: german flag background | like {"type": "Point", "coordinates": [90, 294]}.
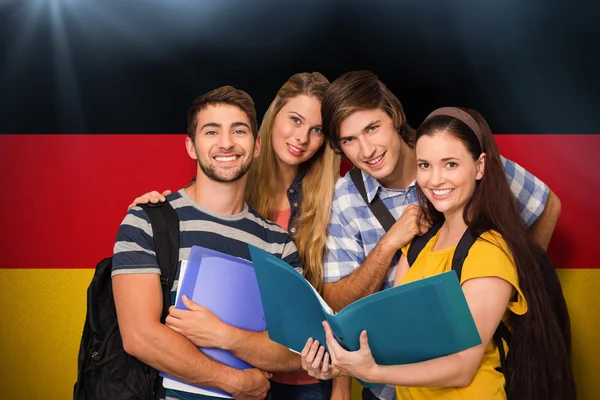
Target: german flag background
{"type": "Point", "coordinates": [93, 100]}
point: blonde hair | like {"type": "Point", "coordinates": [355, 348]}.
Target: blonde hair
{"type": "Point", "coordinates": [321, 172]}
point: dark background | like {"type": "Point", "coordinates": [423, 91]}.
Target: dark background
{"type": "Point", "coordinates": [135, 66]}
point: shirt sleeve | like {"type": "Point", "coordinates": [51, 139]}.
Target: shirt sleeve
{"type": "Point", "coordinates": [344, 247]}
{"type": "Point", "coordinates": [530, 193]}
{"type": "Point", "coordinates": [404, 250]}
{"type": "Point", "coordinates": [134, 248]}
{"type": "Point", "coordinates": [490, 257]}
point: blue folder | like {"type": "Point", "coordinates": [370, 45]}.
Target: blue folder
{"type": "Point", "coordinates": [414, 322]}
{"type": "Point", "coordinates": [227, 286]}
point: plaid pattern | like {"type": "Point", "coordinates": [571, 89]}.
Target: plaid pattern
{"type": "Point", "coordinates": [354, 231]}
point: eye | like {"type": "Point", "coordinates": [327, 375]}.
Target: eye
{"type": "Point", "coordinates": [210, 133]}
{"type": "Point", "coordinates": [346, 140]}
{"type": "Point", "coordinates": [317, 130]}
{"type": "Point", "coordinates": [296, 120]}
{"type": "Point", "coordinates": [423, 165]}
{"type": "Point", "coordinates": [239, 132]}
{"type": "Point", "coordinates": [451, 164]}
{"type": "Point", "coordinates": [372, 128]}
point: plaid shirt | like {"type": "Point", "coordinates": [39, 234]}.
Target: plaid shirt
{"type": "Point", "coordinates": [354, 231]}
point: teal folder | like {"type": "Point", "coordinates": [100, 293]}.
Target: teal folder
{"type": "Point", "coordinates": [410, 323]}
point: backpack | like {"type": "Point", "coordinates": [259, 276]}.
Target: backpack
{"type": "Point", "coordinates": [104, 370]}
{"type": "Point", "coordinates": [386, 219]}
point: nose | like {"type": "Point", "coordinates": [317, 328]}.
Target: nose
{"type": "Point", "coordinates": [367, 149]}
{"type": "Point", "coordinates": [226, 141]}
{"type": "Point", "coordinates": [301, 136]}
{"type": "Point", "coordinates": [437, 177]}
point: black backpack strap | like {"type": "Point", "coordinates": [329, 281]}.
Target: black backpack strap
{"type": "Point", "coordinates": [379, 210]}
{"type": "Point", "coordinates": [462, 251]}
{"type": "Point", "coordinates": [502, 333]}
{"type": "Point", "coordinates": [165, 228]}
{"type": "Point", "coordinates": [418, 243]}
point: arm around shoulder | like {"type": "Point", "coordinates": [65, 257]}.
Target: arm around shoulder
{"type": "Point", "coordinates": [543, 227]}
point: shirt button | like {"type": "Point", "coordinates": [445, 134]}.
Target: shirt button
{"type": "Point", "coordinates": [291, 190]}
{"type": "Point", "coordinates": [293, 230]}
{"type": "Point", "coordinates": [295, 204]}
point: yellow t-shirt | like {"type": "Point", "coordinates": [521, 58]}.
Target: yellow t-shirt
{"type": "Point", "coordinates": [489, 256]}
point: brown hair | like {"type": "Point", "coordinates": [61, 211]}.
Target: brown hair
{"type": "Point", "coordinates": [223, 95]}
{"type": "Point", "coordinates": [321, 172]}
{"type": "Point", "coordinates": [355, 91]}
{"type": "Point", "coordinates": [539, 364]}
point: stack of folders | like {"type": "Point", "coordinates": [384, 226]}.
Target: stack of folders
{"type": "Point", "coordinates": [414, 322]}
{"type": "Point", "coordinates": [227, 286]}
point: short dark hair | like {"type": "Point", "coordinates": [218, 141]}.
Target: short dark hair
{"type": "Point", "coordinates": [223, 95]}
{"type": "Point", "coordinates": [355, 91]}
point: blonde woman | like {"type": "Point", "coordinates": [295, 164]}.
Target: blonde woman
{"type": "Point", "coordinates": [291, 184]}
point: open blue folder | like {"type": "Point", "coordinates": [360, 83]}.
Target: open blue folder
{"type": "Point", "coordinates": [227, 286]}
{"type": "Point", "coordinates": [414, 322]}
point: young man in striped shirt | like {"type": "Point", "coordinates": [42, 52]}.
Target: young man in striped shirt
{"type": "Point", "coordinates": [222, 138]}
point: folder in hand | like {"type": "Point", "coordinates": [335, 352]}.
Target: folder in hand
{"type": "Point", "coordinates": [227, 286]}
{"type": "Point", "coordinates": [414, 322]}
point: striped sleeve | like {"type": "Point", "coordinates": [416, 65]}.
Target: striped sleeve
{"type": "Point", "coordinates": [134, 248]}
{"type": "Point", "coordinates": [290, 255]}
{"type": "Point", "coordinates": [530, 193]}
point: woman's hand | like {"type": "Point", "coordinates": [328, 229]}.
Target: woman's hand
{"type": "Point", "coordinates": [359, 364]}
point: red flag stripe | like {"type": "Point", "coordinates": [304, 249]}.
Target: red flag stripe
{"type": "Point", "coordinates": [65, 195]}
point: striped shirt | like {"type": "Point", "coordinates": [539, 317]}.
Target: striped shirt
{"type": "Point", "coordinates": [354, 231]}
{"type": "Point", "coordinates": [134, 250]}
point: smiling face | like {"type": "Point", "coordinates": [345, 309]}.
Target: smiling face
{"type": "Point", "coordinates": [370, 141]}
{"type": "Point", "coordinates": [297, 133]}
{"type": "Point", "coordinates": [224, 145]}
{"type": "Point", "coordinates": [446, 171]}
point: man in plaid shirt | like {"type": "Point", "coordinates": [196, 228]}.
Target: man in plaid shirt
{"type": "Point", "coordinates": [365, 121]}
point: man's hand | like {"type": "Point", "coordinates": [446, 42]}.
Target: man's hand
{"type": "Point", "coordinates": [200, 325]}
{"type": "Point", "coordinates": [254, 385]}
{"type": "Point", "coordinates": [412, 222]}
{"type": "Point", "coordinates": [150, 197]}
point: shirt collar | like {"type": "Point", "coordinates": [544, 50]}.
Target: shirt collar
{"type": "Point", "coordinates": [372, 185]}
{"type": "Point", "coordinates": [297, 183]}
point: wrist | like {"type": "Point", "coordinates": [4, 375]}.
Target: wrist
{"type": "Point", "coordinates": [342, 388]}
{"type": "Point", "coordinates": [372, 374]}
{"type": "Point", "coordinates": [229, 337]}
{"type": "Point", "coordinates": [388, 245]}
{"type": "Point", "coordinates": [235, 383]}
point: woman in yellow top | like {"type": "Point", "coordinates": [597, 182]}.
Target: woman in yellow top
{"type": "Point", "coordinates": [504, 277]}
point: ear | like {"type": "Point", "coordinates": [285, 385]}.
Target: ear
{"type": "Point", "coordinates": [191, 149]}
{"type": "Point", "coordinates": [257, 144]}
{"type": "Point", "coordinates": [480, 166]}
